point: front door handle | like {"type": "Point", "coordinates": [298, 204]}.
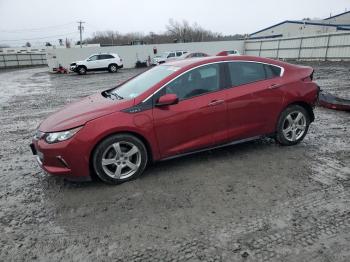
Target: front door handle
{"type": "Point", "coordinates": [216, 102]}
{"type": "Point", "coordinates": [274, 86]}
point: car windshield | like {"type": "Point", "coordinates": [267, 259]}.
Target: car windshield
{"type": "Point", "coordinates": [143, 82]}
{"type": "Point", "coordinates": [165, 55]}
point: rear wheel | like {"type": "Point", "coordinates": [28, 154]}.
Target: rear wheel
{"type": "Point", "coordinates": [119, 158]}
{"type": "Point", "coordinates": [293, 125]}
{"type": "Point", "coordinates": [113, 68]}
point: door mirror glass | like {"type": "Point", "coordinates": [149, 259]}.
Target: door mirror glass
{"type": "Point", "coordinates": [167, 100]}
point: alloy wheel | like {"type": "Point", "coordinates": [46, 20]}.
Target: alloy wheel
{"type": "Point", "coordinates": [294, 126]}
{"type": "Point", "coordinates": [113, 68]}
{"type": "Point", "coordinates": [121, 160]}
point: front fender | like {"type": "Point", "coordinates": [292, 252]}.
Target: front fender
{"type": "Point", "coordinates": [119, 122]}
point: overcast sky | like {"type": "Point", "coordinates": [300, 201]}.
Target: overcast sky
{"type": "Point", "coordinates": [48, 20]}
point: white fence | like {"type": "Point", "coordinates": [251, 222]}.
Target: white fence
{"type": "Point", "coordinates": [19, 60]}
{"type": "Point", "coordinates": [130, 54]}
{"type": "Point", "coordinates": [335, 46]}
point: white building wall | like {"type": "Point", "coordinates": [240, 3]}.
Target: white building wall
{"type": "Point", "coordinates": [130, 54]}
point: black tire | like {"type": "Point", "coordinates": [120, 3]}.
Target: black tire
{"type": "Point", "coordinates": [81, 70]}
{"type": "Point", "coordinates": [105, 149]}
{"type": "Point", "coordinates": [113, 68]}
{"type": "Point", "coordinates": [296, 134]}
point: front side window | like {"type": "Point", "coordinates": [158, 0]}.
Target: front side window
{"type": "Point", "coordinates": [246, 72]}
{"type": "Point", "coordinates": [195, 82]}
{"type": "Point", "coordinates": [144, 81]}
{"type": "Point", "coordinates": [171, 55]}
{"type": "Point", "coordinates": [93, 58]}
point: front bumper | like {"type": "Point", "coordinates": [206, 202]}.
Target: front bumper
{"type": "Point", "coordinates": [73, 68]}
{"type": "Point", "coordinates": [61, 159]}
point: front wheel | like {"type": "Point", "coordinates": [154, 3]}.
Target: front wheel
{"type": "Point", "coordinates": [81, 70]}
{"type": "Point", "coordinates": [293, 125]}
{"type": "Point", "coordinates": [119, 158]}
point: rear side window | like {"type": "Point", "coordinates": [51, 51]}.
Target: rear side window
{"type": "Point", "coordinates": [248, 72]}
{"type": "Point", "coordinates": [105, 57]}
{"type": "Point", "coordinates": [178, 53]}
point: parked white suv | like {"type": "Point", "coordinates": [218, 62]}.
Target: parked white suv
{"type": "Point", "coordinates": [167, 56]}
{"type": "Point", "coordinates": [98, 62]}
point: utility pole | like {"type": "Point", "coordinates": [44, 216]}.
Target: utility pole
{"type": "Point", "coordinates": [81, 28]}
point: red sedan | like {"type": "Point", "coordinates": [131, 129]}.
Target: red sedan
{"type": "Point", "coordinates": [175, 109]}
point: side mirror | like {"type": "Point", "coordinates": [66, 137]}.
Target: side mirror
{"type": "Point", "coordinates": [167, 100]}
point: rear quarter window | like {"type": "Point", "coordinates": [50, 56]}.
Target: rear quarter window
{"type": "Point", "coordinates": [272, 71]}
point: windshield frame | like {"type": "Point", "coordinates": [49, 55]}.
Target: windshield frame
{"type": "Point", "coordinates": [114, 91]}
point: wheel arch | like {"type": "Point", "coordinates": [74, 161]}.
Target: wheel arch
{"type": "Point", "coordinates": [137, 135]}
{"type": "Point", "coordinates": [113, 64]}
{"type": "Point", "coordinates": [303, 104]}
{"type": "Point", "coordinates": [82, 66]}
{"type": "Point", "coordinates": [306, 106]}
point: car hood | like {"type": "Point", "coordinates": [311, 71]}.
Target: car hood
{"type": "Point", "coordinates": [159, 58]}
{"type": "Point", "coordinates": [80, 112]}
{"type": "Point", "coordinates": [78, 62]}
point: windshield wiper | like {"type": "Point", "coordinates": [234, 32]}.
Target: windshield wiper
{"type": "Point", "coordinates": [115, 95]}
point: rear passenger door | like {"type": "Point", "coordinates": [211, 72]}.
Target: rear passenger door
{"type": "Point", "coordinates": [104, 60]}
{"type": "Point", "coordinates": [254, 98]}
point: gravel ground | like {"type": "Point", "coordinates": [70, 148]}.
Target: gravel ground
{"type": "Point", "coordinates": [252, 202]}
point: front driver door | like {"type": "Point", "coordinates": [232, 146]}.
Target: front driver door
{"type": "Point", "coordinates": [92, 62]}
{"type": "Point", "coordinates": [198, 120]}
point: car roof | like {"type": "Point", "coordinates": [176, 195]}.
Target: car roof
{"type": "Point", "coordinates": [104, 54]}
{"type": "Point", "coordinates": [188, 63]}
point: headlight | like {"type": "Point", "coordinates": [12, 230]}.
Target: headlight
{"type": "Point", "coordinates": [61, 136]}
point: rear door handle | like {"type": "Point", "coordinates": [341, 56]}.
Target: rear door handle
{"type": "Point", "coordinates": [216, 102]}
{"type": "Point", "coordinates": [274, 86]}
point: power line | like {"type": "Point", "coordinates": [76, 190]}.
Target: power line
{"type": "Point", "coordinates": [45, 37]}
{"type": "Point", "coordinates": [35, 29]}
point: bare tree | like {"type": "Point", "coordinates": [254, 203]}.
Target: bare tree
{"type": "Point", "coordinates": [175, 32]}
